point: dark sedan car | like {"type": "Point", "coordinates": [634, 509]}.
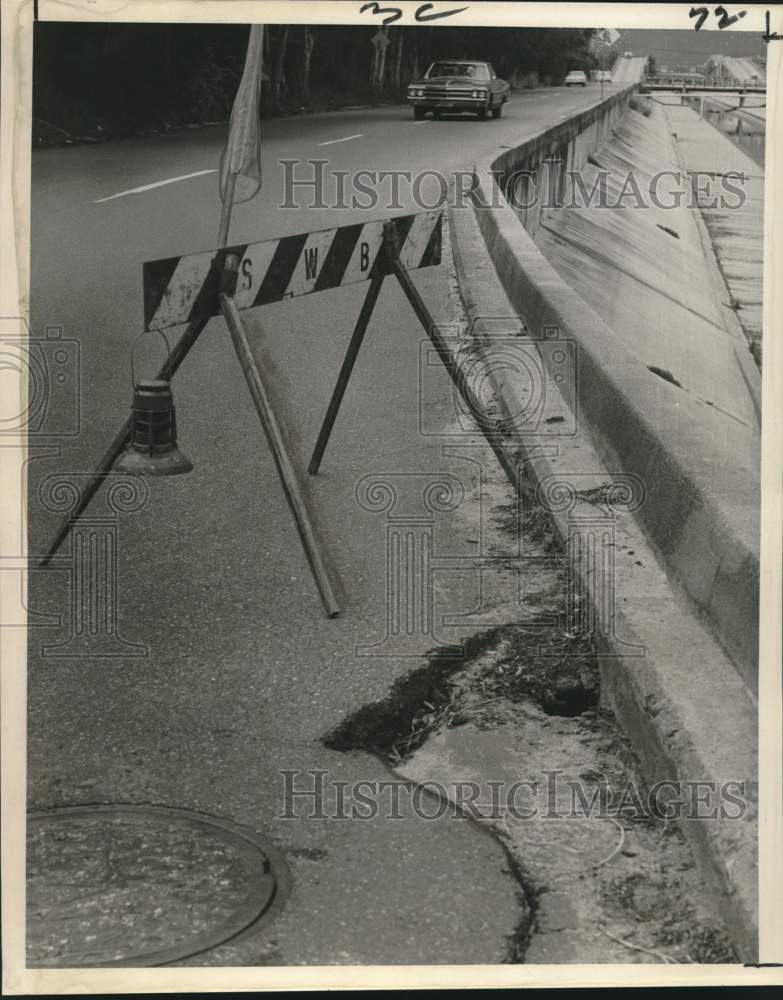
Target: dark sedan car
{"type": "Point", "coordinates": [454, 86]}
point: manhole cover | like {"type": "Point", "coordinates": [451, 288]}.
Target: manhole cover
{"type": "Point", "coordinates": [142, 886]}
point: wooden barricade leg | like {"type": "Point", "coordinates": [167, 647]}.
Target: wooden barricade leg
{"type": "Point", "coordinates": [345, 373]}
{"type": "Point", "coordinates": [487, 427]}
{"type": "Point", "coordinates": [178, 354]}
{"type": "Point", "coordinates": [282, 459]}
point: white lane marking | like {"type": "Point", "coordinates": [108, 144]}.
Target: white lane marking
{"type": "Point", "coordinates": [149, 187]}
{"type": "Point", "coordinates": [427, 121]}
{"type": "Point", "coordinates": [347, 138]}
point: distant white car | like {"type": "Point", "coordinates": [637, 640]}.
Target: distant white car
{"type": "Point", "coordinates": [576, 78]}
{"type": "Point", "coordinates": [603, 76]}
{"type": "Point", "coordinates": [628, 55]}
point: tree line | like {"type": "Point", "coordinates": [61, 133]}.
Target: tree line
{"type": "Point", "coordinates": [115, 77]}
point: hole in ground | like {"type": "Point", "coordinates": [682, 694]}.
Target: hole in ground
{"type": "Point", "coordinates": [389, 726]}
{"type": "Point", "coordinates": [543, 664]}
{"type": "Point", "coordinates": [570, 701]}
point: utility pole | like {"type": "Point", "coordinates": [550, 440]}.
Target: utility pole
{"type": "Point", "coordinates": [602, 41]}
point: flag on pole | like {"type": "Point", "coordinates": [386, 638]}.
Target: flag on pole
{"type": "Point", "coordinates": [242, 155]}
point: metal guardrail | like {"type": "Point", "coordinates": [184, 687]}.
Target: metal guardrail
{"type": "Point", "coordinates": [647, 85]}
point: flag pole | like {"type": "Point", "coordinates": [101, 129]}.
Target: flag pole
{"type": "Point", "coordinates": [242, 153]}
{"type": "Point", "coordinates": [225, 213]}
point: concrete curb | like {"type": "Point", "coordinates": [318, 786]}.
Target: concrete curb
{"type": "Point", "coordinates": [670, 684]}
{"type": "Point", "coordinates": [708, 534]}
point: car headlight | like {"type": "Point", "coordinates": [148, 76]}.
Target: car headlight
{"type": "Point", "coordinates": [479, 93]}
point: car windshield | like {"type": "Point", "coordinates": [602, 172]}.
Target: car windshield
{"type": "Point", "coordinates": [478, 71]}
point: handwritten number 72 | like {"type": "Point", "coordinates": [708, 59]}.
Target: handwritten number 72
{"type": "Point", "coordinates": [724, 18]}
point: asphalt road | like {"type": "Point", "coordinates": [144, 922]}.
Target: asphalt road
{"type": "Point", "coordinates": [243, 674]}
{"type": "Point", "coordinates": [628, 69]}
{"type": "Point", "coordinates": [744, 70]}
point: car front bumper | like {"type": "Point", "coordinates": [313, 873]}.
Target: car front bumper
{"type": "Point", "coordinates": [449, 103]}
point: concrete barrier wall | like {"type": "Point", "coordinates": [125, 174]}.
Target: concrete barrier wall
{"type": "Point", "coordinates": [539, 165]}
{"type": "Point", "coordinates": [707, 537]}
